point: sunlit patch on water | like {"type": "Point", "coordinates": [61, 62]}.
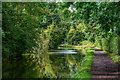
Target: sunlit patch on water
{"type": "Point", "coordinates": [62, 51]}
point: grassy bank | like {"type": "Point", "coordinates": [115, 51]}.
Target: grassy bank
{"type": "Point", "coordinates": [86, 64]}
{"type": "Point", "coordinates": [82, 71]}
{"type": "Point", "coordinates": [115, 57]}
{"type": "Point", "coordinates": [68, 46]}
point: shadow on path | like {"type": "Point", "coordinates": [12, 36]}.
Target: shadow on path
{"type": "Point", "coordinates": [103, 67]}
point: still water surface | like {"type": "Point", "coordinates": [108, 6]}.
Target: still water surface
{"type": "Point", "coordinates": [60, 64]}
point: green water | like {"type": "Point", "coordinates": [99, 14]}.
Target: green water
{"type": "Point", "coordinates": [59, 65]}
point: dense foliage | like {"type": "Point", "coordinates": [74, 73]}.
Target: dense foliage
{"type": "Point", "coordinates": [23, 24]}
{"type": "Point", "coordinates": [34, 28]}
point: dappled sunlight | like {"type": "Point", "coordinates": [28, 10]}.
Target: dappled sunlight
{"type": "Point", "coordinates": [60, 39]}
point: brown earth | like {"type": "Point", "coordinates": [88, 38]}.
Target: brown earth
{"type": "Point", "coordinates": [103, 67]}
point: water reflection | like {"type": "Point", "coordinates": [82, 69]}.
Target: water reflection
{"type": "Point", "coordinates": [55, 64]}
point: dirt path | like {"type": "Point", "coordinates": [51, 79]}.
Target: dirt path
{"type": "Point", "coordinates": [103, 67]}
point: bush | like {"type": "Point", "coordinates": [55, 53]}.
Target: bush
{"type": "Point", "coordinates": [105, 45]}
{"type": "Point", "coordinates": [119, 45]}
{"type": "Point", "coordinates": [98, 42]}
{"type": "Point", "coordinates": [114, 44]}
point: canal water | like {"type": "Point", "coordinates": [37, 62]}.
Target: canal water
{"type": "Point", "coordinates": [56, 64]}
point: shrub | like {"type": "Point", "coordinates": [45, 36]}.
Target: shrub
{"type": "Point", "coordinates": [114, 44]}
{"type": "Point", "coordinates": [105, 45]}
{"type": "Point", "coordinates": [98, 42]}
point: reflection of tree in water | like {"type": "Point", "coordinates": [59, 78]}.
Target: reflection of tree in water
{"type": "Point", "coordinates": [73, 61]}
{"type": "Point", "coordinates": [43, 65]}
{"type": "Point", "coordinates": [48, 68]}
{"type": "Point", "coordinates": [59, 65]}
{"type": "Point", "coordinates": [42, 58]}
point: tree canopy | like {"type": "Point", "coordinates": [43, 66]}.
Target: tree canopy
{"type": "Point", "coordinates": [29, 25]}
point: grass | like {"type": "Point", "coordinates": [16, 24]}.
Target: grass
{"type": "Point", "coordinates": [68, 46]}
{"type": "Point", "coordinates": [85, 66]}
{"type": "Point", "coordinates": [115, 57]}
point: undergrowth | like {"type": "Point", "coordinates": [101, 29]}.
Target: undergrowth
{"type": "Point", "coordinates": [85, 66]}
{"type": "Point", "coordinates": [115, 57]}
{"type": "Point", "coordinates": [82, 72]}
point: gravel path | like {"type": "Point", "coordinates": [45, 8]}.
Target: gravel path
{"type": "Point", "coordinates": [103, 67]}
